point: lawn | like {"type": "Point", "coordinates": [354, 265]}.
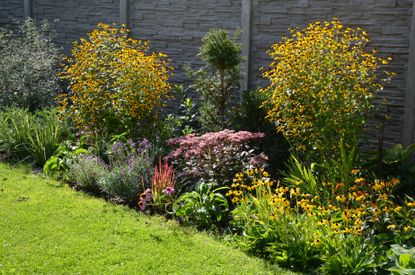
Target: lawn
{"type": "Point", "coordinates": [45, 227]}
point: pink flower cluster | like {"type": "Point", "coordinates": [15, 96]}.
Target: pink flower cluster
{"type": "Point", "coordinates": [197, 146]}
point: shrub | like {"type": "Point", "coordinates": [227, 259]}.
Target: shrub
{"type": "Point", "coordinates": [130, 171]}
{"type": "Point", "coordinates": [28, 60]}
{"type": "Point", "coordinates": [86, 171]}
{"type": "Point", "coordinates": [114, 85]}
{"type": "Point", "coordinates": [322, 81]}
{"type": "Point", "coordinates": [218, 80]}
{"type": "Point", "coordinates": [249, 116]}
{"type": "Point", "coordinates": [213, 157]}
{"type": "Point", "coordinates": [33, 137]}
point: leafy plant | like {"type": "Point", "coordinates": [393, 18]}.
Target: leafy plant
{"type": "Point", "coordinates": [27, 136]}
{"type": "Point", "coordinates": [218, 80]}
{"type": "Point", "coordinates": [57, 166]}
{"type": "Point", "coordinates": [350, 255]}
{"type": "Point", "coordinates": [28, 61]}
{"type": "Point", "coordinates": [269, 229]}
{"type": "Point", "coordinates": [213, 157]}
{"type": "Point", "coordinates": [395, 161]}
{"type": "Point", "coordinates": [322, 81]}
{"type": "Point", "coordinates": [114, 84]}
{"type": "Point", "coordinates": [298, 175]}
{"type": "Point", "coordinates": [403, 259]}
{"type": "Point", "coordinates": [204, 207]}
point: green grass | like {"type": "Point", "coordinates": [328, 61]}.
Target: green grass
{"type": "Point", "coordinates": [45, 227]}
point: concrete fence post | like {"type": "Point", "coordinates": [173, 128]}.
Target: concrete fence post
{"type": "Point", "coordinates": [409, 116]}
{"type": "Point", "coordinates": [28, 8]}
{"type": "Point", "coordinates": [124, 10]}
{"type": "Point", "coordinates": [246, 26]}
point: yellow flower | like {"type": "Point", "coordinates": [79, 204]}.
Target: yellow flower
{"type": "Point", "coordinates": [360, 181]}
{"type": "Point", "coordinates": [341, 198]}
{"type": "Point", "coordinates": [316, 242]}
{"type": "Point", "coordinates": [335, 226]}
{"type": "Point", "coordinates": [407, 228]}
{"type": "Point", "coordinates": [391, 227]}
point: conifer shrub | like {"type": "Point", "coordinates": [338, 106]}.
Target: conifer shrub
{"type": "Point", "coordinates": [218, 81]}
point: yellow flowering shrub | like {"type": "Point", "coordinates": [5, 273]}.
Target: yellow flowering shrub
{"type": "Point", "coordinates": [114, 84]}
{"type": "Point", "coordinates": [322, 79]}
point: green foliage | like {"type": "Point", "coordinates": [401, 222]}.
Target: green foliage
{"type": "Point", "coordinates": [299, 175]}
{"type": "Point", "coordinates": [204, 207]}
{"type": "Point", "coordinates": [28, 60]}
{"type": "Point", "coordinates": [85, 172]}
{"type": "Point", "coordinates": [249, 116]}
{"type": "Point", "coordinates": [290, 239]}
{"type": "Point", "coordinates": [217, 82]}
{"type": "Point", "coordinates": [57, 166]}
{"type": "Point", "coordinates": [130, 171]}
{"type": "Point", "coordinates": [395, 161]}
{"type": "Point", "coordinates": [403, 259]}
{"type": "Point", "coordinates": [311, 178]}
{"type": "Point", "coordinates": [350, 255]}
{"type": "Point", "coordinates": [32, 137]}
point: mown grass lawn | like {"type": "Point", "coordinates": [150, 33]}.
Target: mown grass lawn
{"type": "Point", "coordinates": [45, 227]}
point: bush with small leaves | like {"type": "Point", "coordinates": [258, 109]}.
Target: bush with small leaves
{"type": "Point", "coordinates": [28, 63]}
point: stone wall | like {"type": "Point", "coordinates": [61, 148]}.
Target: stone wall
{"type": "Point", "coordinates": [9, 10]}
{"type": "Point", "coordinates": [177, 26]}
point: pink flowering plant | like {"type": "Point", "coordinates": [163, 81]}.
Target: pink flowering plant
{"type": "Point", "coordinates": [213, 157]}
{"type": "Point", "coordinates": [161, 194]}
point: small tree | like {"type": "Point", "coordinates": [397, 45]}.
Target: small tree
{"type": "Point", "coordinates": [218, 80]}
{"type": "Point", "coordinates": [114, 84]}
{"type": "Point", "coordinates": [322, 81]}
